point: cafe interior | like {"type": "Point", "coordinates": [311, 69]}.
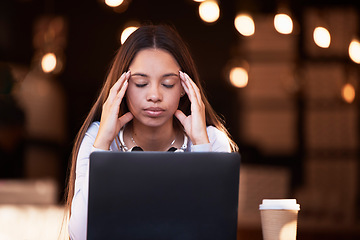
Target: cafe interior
{"type": "Point", "coordinates": [283, 74]}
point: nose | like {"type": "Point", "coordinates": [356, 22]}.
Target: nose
{"type": "Point", "coordinates": [154, 94]}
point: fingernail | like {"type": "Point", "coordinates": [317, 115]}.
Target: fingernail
{"type": "Point", "coordinates": [186, 76]}
{"type": "Point", "coordinates": [183, 75]}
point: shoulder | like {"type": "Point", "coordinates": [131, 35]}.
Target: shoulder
{"type": "Point", "coordinates": [93, 128]}
{"type": "Point", "coordinates": [90, 135]}
{"type": "Point", "coordinates": [213, 132]}
{"type": "Point", "coordinates": [92, 132]}
{"type": "Point", "coordinates": [218, 139]}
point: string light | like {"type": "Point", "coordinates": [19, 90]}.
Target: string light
{"type": "Point", "coordinates": [283, 23]}
{"type": "Point", "coordinates": [354, 51]}
{"type": "Point", "coordinates": [244, 24]}
{"type": "Point", "coordinates": [322, 37]}
{"type": "Point", "coordinates": [209, 11]}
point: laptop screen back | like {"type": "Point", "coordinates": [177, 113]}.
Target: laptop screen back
{"type": "Point", "coordinates": [163, 195]}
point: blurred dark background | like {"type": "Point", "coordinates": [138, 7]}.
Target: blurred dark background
{"type": "Point", "coordinates": [297, 135]}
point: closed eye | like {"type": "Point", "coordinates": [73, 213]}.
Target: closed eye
{"type": "Point", "coordinates": [140, 85]}
{"type": "Point", "coordinates": [168, 85]}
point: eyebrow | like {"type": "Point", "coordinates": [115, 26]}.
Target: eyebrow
{"type": "Point", "coordinates": [171, 75]}
{"type": "Point", "coordinates": [139, 74]}
{"type": "Point", "coordinates": [165, 75]}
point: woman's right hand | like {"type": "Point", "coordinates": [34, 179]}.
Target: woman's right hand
{"type": "Point", "coordinates": [111, 123]}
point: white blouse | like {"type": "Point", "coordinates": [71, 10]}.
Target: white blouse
{"type": "Point", "coordinates": [78, 219]}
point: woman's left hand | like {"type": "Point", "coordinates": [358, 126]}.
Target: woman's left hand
{"type": "Point", "coordinates": [195, 123]}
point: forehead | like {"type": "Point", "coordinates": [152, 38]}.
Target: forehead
{"type": "Point", "coordinates": [154, 60]}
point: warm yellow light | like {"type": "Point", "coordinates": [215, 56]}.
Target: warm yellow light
{"type": "Point", "coordinates": [322, 37]}
{"type": "Point", "coordinates": [283, 23]}
{"type": "Point", "coordinates": [244, 24]}
{"type": "Point", "coordinates": [113, 3]}
{"type": "Point", "coordinates": [126, 33]}
{"type": "Point", "coordinates": [354, 51]}
{"type": "Point", "coordinates": [238, 77]}
{"type": "Point", "coordinates": [209, 11]}
{"type": "Point", "coordinates": [348, 93]}
{"type": "Point", "coordinates": [199, 0]}
{"type": "Point", "coordinates": [48, 62]}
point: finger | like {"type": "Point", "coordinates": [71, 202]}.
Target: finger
{"type": "Point", "coordinates": [195, 103]}
{"type": "Point", "coordinates": [114, 89]}
{"type": "Point", "coordinates": [120, 94]}
{"type": "Point", "coordinates": [124, 119]}
{"type": "Point", "coordinates": [188, 88]}
{"type": "Point", "coordinates": [181, 116]}
{"type": "Point", "coordinates": [184, 86]}
{"type": "Point", "coordinates": [124, 87]}
{"type": "Point", "coordinates": [195, 88]}
{"type": "Point", "coordinates": [117, 86]}
{"type": "Point", "coordinates": [182, 79]}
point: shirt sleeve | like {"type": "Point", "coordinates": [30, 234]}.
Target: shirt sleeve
{"type": "Point", "coordinates": [78, 218]}
{"type": "Point", "coordinates": [219, 142]}
{"type": "Point", "coordinates": [201, 148]}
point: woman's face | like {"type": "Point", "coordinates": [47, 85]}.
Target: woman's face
{"type": "Point", "coordinates": [154, 87]}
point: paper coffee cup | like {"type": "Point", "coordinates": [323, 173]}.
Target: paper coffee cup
{"type": "Point", "coordinates": [279, 219]}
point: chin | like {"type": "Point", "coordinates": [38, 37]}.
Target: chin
{"type": "Point", "coordinates": [154, 122]}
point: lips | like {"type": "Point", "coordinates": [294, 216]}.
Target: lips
{"type": "Point", "coordinates": [154, 111]}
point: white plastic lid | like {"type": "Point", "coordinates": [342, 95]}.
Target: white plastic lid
{"type": "Point", "coordinates": [278, 204]}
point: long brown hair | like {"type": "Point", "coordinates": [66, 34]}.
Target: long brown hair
{"type": "Point", "coordinates": [149, 36]}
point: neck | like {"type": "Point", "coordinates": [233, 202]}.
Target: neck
{"type": "Point", "coordinates": [153, 138]}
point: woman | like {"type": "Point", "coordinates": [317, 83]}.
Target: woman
{"type": "Point", "coordinates": [152, 100]}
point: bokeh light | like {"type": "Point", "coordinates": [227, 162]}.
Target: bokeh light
{"type": "Point", "coordinates": [209, 11]}
{"type": "Point", "coordinates": [238, 77]}
{"type": "Point", "coordinates": [354, 51]}
{"type": "Point", "coordinates": [126, 33]}
{"type": "Point", "coordinates": [348, 93]}
{"type": "Point", "coordinates": [48, 62]}
{"type": "Point", "coordinates": [283, 23]}
{"type": "Point", "coordinates": [113, 3]}
{"type": "Point", "coordinates": [244, 24]}
{"type": "Point", "coordinates": [322, 37]}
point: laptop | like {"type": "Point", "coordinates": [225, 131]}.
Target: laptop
{"type": "Point", "coordinates": [163, 195]}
